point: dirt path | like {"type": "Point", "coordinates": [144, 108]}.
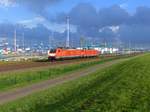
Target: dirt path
{"type": "Point", "coordinates": [21, 92]}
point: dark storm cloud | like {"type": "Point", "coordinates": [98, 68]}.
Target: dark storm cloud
{"type": "Point", "coordinates": [138, 27]}
{"type": "Point", "coordinates": [84, 14]}
{"type": "Point", "coordinates": [99, 23]}
{"type": "Point", "coordinates": [113, 16]}
{"type": "Point", "coordinates": [142, 16]}
{"type": "Point", "coordinates": [86, 17]}
{"type": "Point", "coordinates": [89, 21]}
{"type": "Point", "coordinates": [37, 5]}
{"type": "Point", "coordinates": [135, 33]}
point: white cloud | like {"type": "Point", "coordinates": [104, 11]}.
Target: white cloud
{"type": "Point", "coordinates": [32, 23]}
{"type": "Point", "coordinates": [123, 5]}
{"type": "Point", "coordinates": [7, 3]}
{"type": "Point", "coordinates": [115, 29]}
{"type": "Point", "coordinates": [102, 29]}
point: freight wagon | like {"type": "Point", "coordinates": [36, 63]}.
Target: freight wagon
{"type": "Point", "coordinates": [62, 53]}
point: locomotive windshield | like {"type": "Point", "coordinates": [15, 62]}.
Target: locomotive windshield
{"type": "Point", "coordinates": [53, 51]}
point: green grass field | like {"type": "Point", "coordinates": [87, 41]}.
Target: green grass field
{"type": "Point", "coordinates": [19, 79]}
{"type": "Point", "coordinates": [124, 87]}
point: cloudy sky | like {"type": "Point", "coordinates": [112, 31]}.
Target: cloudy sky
{"type": "Point", "coordinates": [18, 10]}
{"type": "Point", "coordinates": [114, 20]}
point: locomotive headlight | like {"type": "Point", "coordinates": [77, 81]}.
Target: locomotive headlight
{"type": "Point", "coordinates": [52, 54]}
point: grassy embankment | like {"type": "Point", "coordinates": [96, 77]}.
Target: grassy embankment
{"type": "Point", "coordinates": [19, 79]}
{"type": "Point", "coordinates": [124, 87]}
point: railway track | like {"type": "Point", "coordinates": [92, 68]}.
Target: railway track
{"type": "Point", "coordinates": [28, 65]}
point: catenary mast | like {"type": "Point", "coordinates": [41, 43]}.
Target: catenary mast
{"type": "Point", "coordinates": [68, 32]}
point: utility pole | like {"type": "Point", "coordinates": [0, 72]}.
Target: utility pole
{"type": "Point", "coordinates": [15, 41]}
{"type": "Point", "coordinates": [23, 42]}
{"type": "Point", "coordinates": [68, 32]}
{"type": "Point", "coordinates": [82, 42]}
{"type": "Point", "coordinates": [51, 40]}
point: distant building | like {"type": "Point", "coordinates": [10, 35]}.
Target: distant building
{"type": "Point", "coordinates": [106, 50]}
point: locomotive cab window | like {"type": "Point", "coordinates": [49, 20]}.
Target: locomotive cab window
{"type": "Point", "coordinates": [53, 51]}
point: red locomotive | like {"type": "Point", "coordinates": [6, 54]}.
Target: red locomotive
{"type": "Point", "coordinates": [61, 53]}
